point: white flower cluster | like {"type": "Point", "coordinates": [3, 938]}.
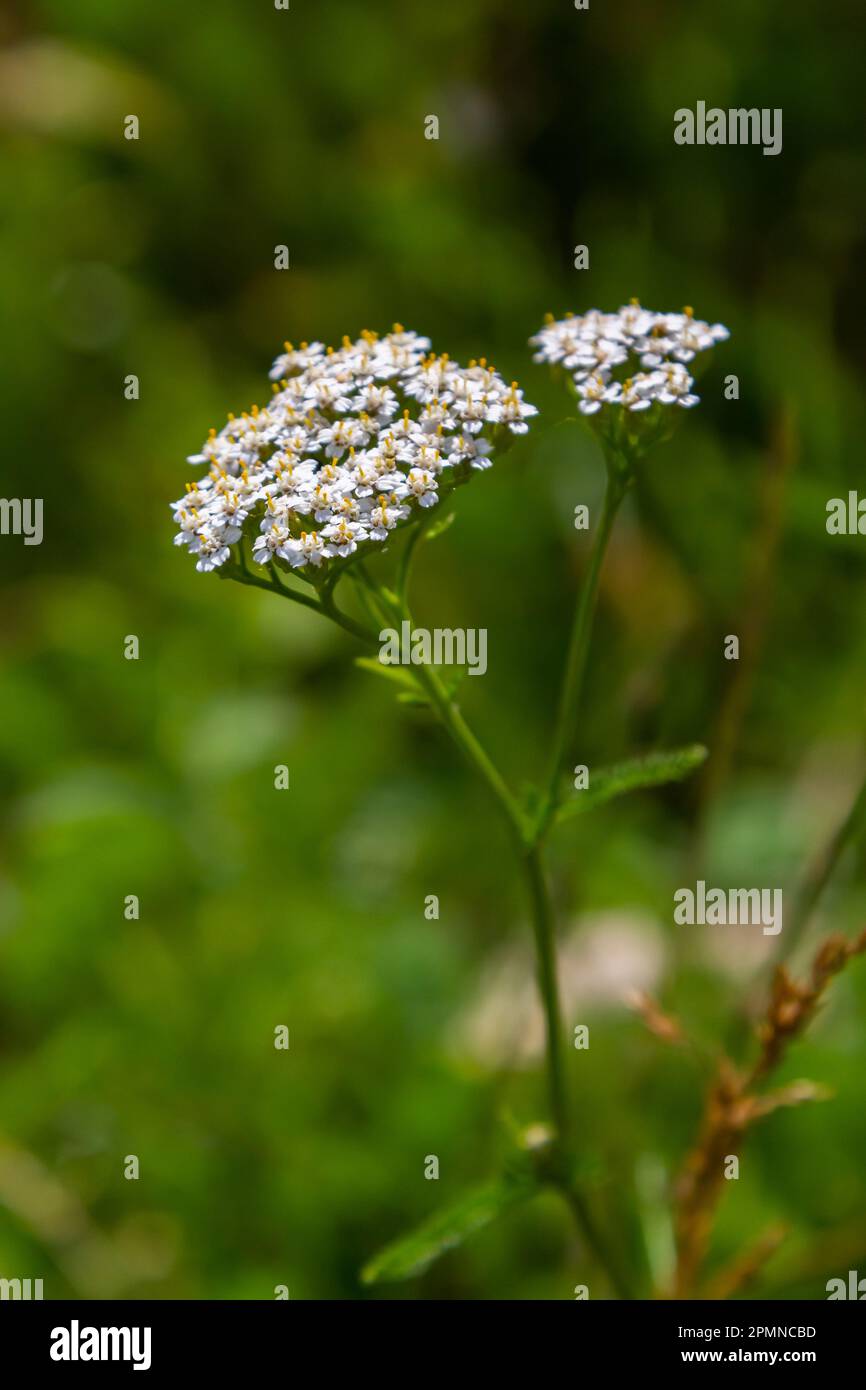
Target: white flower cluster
{"type": "Point", "coordinates": [633, 358]}
{"type": "Point", "coordinates": [351, 442]}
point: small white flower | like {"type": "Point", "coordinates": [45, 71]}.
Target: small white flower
{"type": "Point", "coordinates": [593, 391]}
{"type": "Point", "coordinates": [342, 536]}
{"type": "Point", "coordinates": [602, 354]}
{"type": "Point", "coordinates": [422, 486]}
{"type": "Point", "coordinates": [211, 551]}
{"type": "Point", "coordinates": [428, 382]}
{"type": "Point", "coordinates": [633, 394]}
{"type": "Point", "coordinates": [380, 402]}
{"type": "Point", "coordinates": [345, 434]}
{"type": "Point", "coordinates": [401, 339]}
{"type": "Point", "coordinates": [634, 321]}
{"type": "Point", "coordinates": [270, 543]}
{"type": "Point", "coordinates": [306, 549]}
{"type": "Point", "coordinates": [293, 361]}
{"type": "Point", "coordinates": [470, 447]}
{"type": "Point", "coordinates": [382, 519]}
{"type": "Point", "coordinates": [436, 417]}
{"type": "Point", "coordinates": [673, 386]}
{"type": "Point", "coordinates": [511, 410]}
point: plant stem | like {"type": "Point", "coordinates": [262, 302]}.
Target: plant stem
{"type": "Point", "coordinates": [405, 566]}
{"type": "Point", "coordinates": [544, 931]}
{"type": "Point", "coordinates": [586, 1224]}
{"type": "Point", "coordinates": [325, 605]}
{"type": "Point", "coordinates": [545, 950]}
{"type": "Point", "coordinates": [578, 650]}
{"type": "Point", "coordinates": [343, 620]}
{"type": "Point", "coordinates": [472, 750]}
{"type": "Point", "coordinates": [821, 870]}
{"type": "Point", "coordinates": [273, 587]}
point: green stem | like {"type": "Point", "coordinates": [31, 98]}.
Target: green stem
{"type": "Point", "coordinates": [405, 566]}
{"type": "Point", "coordinates": [545, 951]}
{"type": "Point", "coordinates": [366, 602]}
{"type": "Point", "coordinates": [449, 713]}
{"type": "Point", "coordinates": [542, 913]}
{"type": "Point", "coordinates": [363, 634]}
{"type": "Point", "coordinates": [544, 931]}
{"type": "Point", "coordinates": [565, 1180]}
{"type": "Point", "coordinates": [820, 872]}
{"type": "Point", "coordinates": [325, 605]}
{"type": "Point", "coordinates": [472, 750]}
{"type": "Point", "coordinates": [274, 588]}
{"type": "Point", "coordinates": [578, 651]}
{"type": "Point", "coordinates": [283, 589]}
{"type": "Point", "coordinates": [596, 1242]}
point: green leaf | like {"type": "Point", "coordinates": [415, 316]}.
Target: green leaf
{"type": "Point", "coordinates": [411, 692]}
{"type": "Point", "coordinates": [451, 677]}
{"type": "Point", "coordinates": [416, 698]}
{"type": "Point", "coordinates": [656, 769]}
{"type": "Point", "coordinates": [399, 675]}
{"type": "Point", "coordinates": [439, 527]}
{"type": "Point", "coordinates": [412, 1254]}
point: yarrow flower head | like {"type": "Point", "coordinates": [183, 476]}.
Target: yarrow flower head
{"type": "Point", "coordinates": [628, 369]}
{"type": "Point", "coordinates": [355, 442]}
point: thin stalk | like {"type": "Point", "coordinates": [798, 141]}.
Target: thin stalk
{"type": "Point", "coordinates": [545, 951]}
{"type": "Point", "coordinates": [821, 870]}
{"type": "Point", "coordinates": [344, 621]}
{"type": "Point", "coordinates": [366, 602]}
{"type": "Point", "coordinates": [544, 932]}
{"type": "Point", "coordinates": [472, 750]}
{"type": "Point", "coordinates": [449, 714]}
{"type": "Point", "coordinates": [246, 578]}
{"type": "Point", "coordinates": [326, 605]}
{"type": "Point", "coordinates": [544, 929]}
{"type": "Point", "coordinates": [305, 599]}
{"type": "Point", "coordinates": [405, 567]}
{"type": "Point", "coordinates": [596, 1242]}
{"type": "Point", "coordinates": [578, 651]}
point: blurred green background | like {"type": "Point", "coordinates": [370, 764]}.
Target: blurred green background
{"type": "Point", "coordinates": [155, 777]}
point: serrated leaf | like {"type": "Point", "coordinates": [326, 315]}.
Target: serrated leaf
{"type": "Point", "coordinates": [411, 1254]}
{"type": "Point", "coordinates": [654, 770]}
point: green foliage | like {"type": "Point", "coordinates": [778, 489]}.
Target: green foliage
{"type": "Point", "coordinates": [398, 675]}
{"type": "Point", "coordinates": [410, 692]}
{"type": "Point", "coordinates": [412, 1254]}
{"type": "Point", "coordinates": [634, 774]}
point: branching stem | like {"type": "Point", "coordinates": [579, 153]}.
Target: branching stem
{"type": "Point", "coordinates": [384, 606]}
